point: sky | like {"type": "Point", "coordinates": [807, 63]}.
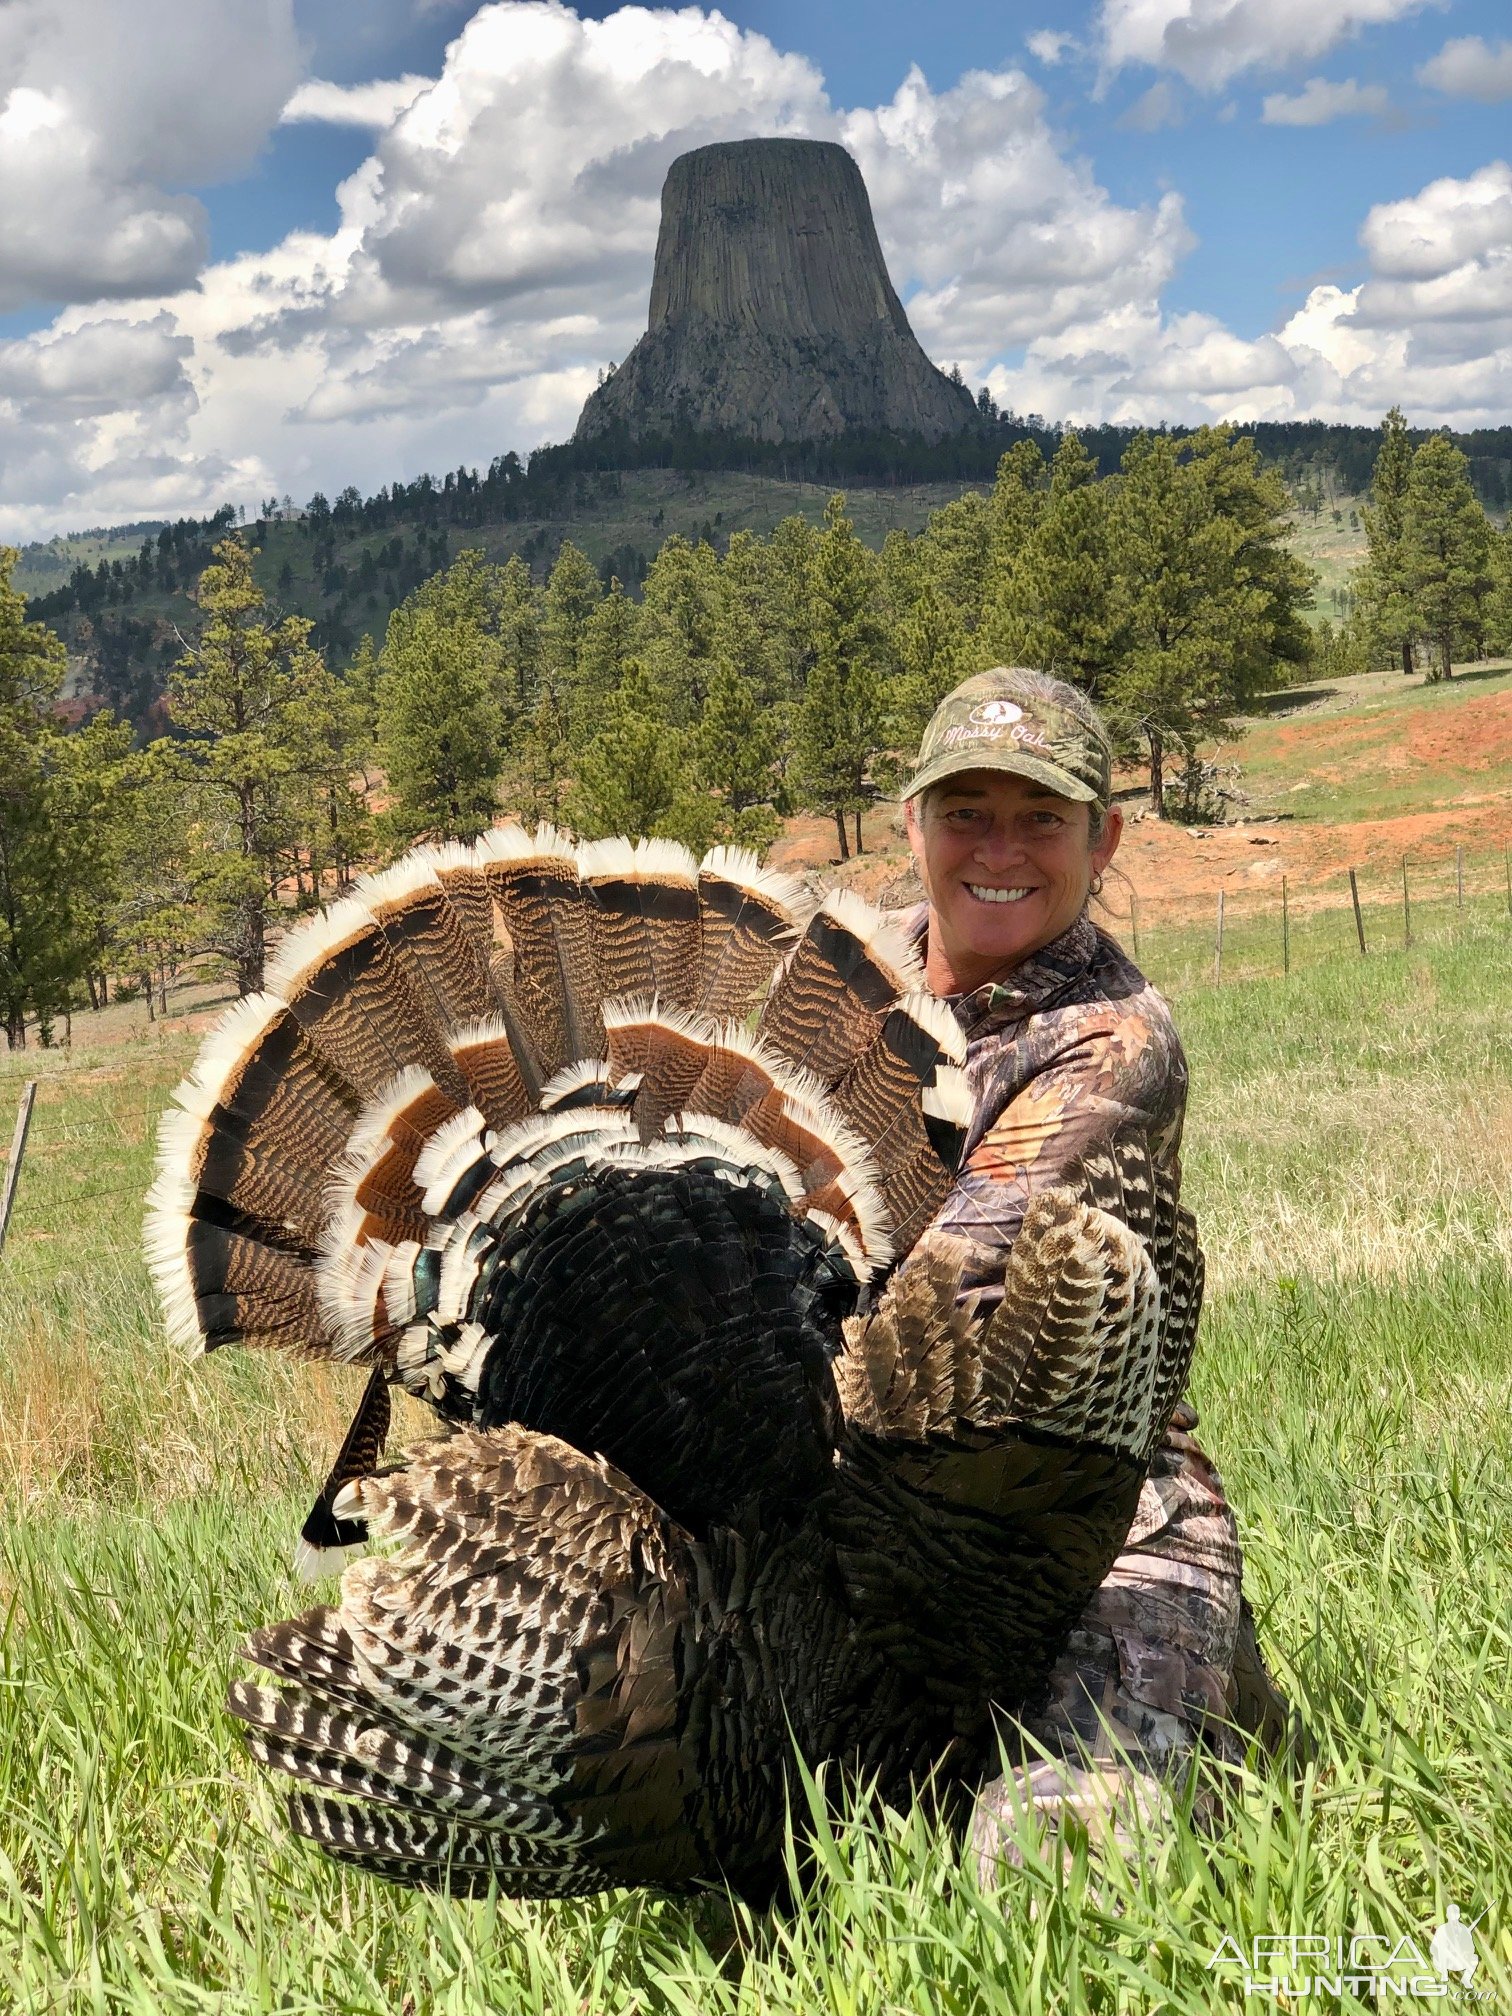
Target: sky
{"type": "Point", "coordinates": [255, 248]}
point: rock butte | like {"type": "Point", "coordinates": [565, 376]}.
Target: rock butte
{"type": "Point", "coordinates": [772, 314]}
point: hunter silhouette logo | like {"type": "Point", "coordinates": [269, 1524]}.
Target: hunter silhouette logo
{"type": "Point", "coordinates": [1452, 1947]}
{"type": "Point", "coordinates": [997, 713]}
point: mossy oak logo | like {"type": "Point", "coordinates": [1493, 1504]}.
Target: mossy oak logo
{"type": "Point", "coordinates": [997, 713]}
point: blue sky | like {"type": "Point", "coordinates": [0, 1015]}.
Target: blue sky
{"type": "Point", "coordinates": [261, 246]}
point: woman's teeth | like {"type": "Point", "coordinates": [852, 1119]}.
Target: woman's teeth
{"type": "Point", "coordinates": [986, 895]}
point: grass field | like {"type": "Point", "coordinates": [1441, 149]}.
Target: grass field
{"type": "Point", "coordinates": [1349, 1152]}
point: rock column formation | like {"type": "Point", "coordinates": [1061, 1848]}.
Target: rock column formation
{"type": "Point", "coordinates": [772, 315]}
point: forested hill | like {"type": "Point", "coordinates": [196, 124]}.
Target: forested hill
{"type": "Point", "coordinates": [120, 597]}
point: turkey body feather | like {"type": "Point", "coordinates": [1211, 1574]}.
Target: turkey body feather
{"type": "Point", "coordinates": [726, 1485]}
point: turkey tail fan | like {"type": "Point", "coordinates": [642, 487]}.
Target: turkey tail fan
{"type": "Point", "coordinates": [498, 1700]}
{"type": "Point", "coordinates": [749, 918]}
{"type": "Point", "coordinates": [909, 1097]}
{"type": "Point", "coordinates": [534, 880]}
{"type": "Point", "coordinates": [643, 919]}
{"type": "Point", "coordinates": [848, 969]}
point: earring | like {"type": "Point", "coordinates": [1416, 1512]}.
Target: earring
{"type": "Point", "coordinates": [1096, 886]}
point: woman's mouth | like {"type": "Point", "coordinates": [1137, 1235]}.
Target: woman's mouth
{"type": "Point", "coordinates": [985, 894]}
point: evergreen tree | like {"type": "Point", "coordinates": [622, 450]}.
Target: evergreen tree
{"type": "Point", "coordinates": [241, 699]}
{"type": "Point", "coordinates": [632, 770]}
{"type": "Point", "coordinates": [1058, 605]}
{"type": "Point", "coordinates": [608, 644]}
{"type": "Point", "coordinates": [573, 589]}
{"type": "Point", "coordinates": [681, 601]}
{"type": "Point", "coordinates": [1204, 608]}
{"type": "Point", "coordinates": [40, 953]}
{"type": "Point", "coordinates": [1446, 552]}
{"type": "Point", "coordinates": [930, 646]}
{"type": "Point", "coordinates": [440, 726]}
{"type": "Point", "coordinates": [521, 618]}
{"type": "Point", "coordinates": [1014, 511]}
{"type": "Point", "coordinates": [1383, 587]}
{"type": "Point", "coordinates": [839, 723]}
{"type": "Point", "coordinates": [955, 551]}
{"type": "Point", "coordinates": [1499, 603]}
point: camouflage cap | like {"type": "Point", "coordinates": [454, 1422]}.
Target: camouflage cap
{"type": "Point", "coordinates": [997, 721]}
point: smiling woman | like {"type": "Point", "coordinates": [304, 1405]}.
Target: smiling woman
{"type": "Point", "coordinates": [1078, 1082]}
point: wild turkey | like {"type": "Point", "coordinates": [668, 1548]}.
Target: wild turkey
{"type": "Point", "coordinates": [727, 1483]}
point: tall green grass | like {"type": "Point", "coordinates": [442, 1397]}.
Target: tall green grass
{"type": "Point", "coordinates": [1350, 1155]}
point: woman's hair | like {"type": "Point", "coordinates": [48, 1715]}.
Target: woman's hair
{"type": "Point", "coordinates": [1044, 686]}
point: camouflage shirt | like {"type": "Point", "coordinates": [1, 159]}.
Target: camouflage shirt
{"type": "Point", "coordinates": [1073, 1050]}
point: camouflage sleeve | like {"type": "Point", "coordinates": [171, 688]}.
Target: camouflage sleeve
{"type": "Point", "coordinates": [1114, 1075]}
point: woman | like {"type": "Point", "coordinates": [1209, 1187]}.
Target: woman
{"type": "Point", "coordinates": [1012, 826]}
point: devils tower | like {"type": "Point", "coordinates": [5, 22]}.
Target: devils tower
{"type": "Point", "coordinates": [772, 315]}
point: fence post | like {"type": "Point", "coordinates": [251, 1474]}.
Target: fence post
{"type": "Point", "coordinates": [1406, 909]}
{"type": "Point", "coordinates": [1354, 897]}
{"type": "Point", "coordinates": [1459, 877]}
{"type": "Point", "coordinates": [1218, 945]}
{"type": "Point", "coordinates": [18, 1149]}
{"type": "Point", "coordinates": [1285, 930]}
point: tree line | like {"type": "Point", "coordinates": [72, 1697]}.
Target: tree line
{"type": "Point", "coordinates": [788, 673]}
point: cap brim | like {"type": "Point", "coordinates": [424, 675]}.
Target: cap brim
{"type": "Point", "coordinates": [1015, 761]}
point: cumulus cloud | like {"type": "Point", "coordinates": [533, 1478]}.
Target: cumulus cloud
{"type": "Point", "coordinates": [1429, 329]}
{"type": "Point", "coordinates": [377, 103]}
{"type": "Point", "coordinates": [1468, 67]}
{"type": "Point", "coordinates": [1153, 110]}
{"type": "Point", "coordinates": [1208, 42]}
{"type": "Point", "coordinates": [1050, 45]}
{"type": "Point", "coordinates": [1319, 102]}
{"type": "Point", "coordinates": [107, 113]}
{"type": "Point", "coordinates": [494, 251]}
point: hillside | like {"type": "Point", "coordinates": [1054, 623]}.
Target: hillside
{"type": "Point", "coordinates": [122, 647]}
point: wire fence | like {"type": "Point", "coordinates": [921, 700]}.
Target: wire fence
{"type": "Point", "coordinates": [1384, 904]}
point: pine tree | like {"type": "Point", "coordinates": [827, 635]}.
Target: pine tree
{"type": "Point", "coordinates": [632, 770]}
{"type": "Point", "coordinates": [1446, 552]}
{"type": "Point", "coordinates": [1499, 603]}
{"type": "Point", "coordinates": [839, 724]}
{"type": "Point", "coordinates": [573, 590]}
{"type": "Point", "coordinates": [242, 698]}
{"type": "Point", "coordinates": [40, 954]}
{"type": "Point", "coordinates": [680, 600]}
{"type": "Point", "coordinates": [1383, 587]}
{"type": "Point", "coordinates": [930, 645]}
{"type": "Point", "coordinates": [609, 641]}
{"type": "Point", "coordinates": [520, 615]}
{"type": "Point", "coordinates": [440, 727]}
{"type": "Point", "coordinates": [1015, 508]}
{"type": "Point", "coordinates": [1058, 608]}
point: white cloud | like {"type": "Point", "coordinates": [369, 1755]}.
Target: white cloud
{"type": "Point", "coordinates": [1210, 41]}
{"type": "Point", "coordinates": [1321, 101]}
{"type": "Point", "coordinates": [1430, 329]}
{"type": "Point", "coordinates": [1468, 67]}
{"type": "Point", "coordinates": [495, 248]}
{"type": "Point", "coordinates": [107, 114]}
{"type": "Point", "coordinates": [1050, 45]}
{"type": "Point", "coordinates": [1154, 109]}
{"type": "Point", "coordinates": [375, 104]}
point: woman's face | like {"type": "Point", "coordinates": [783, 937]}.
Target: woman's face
{"type": "Point", "coordinates": [1007, 865]}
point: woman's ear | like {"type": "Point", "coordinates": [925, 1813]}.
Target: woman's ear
{"type": "Point", "coordinates": [1107, 846]}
